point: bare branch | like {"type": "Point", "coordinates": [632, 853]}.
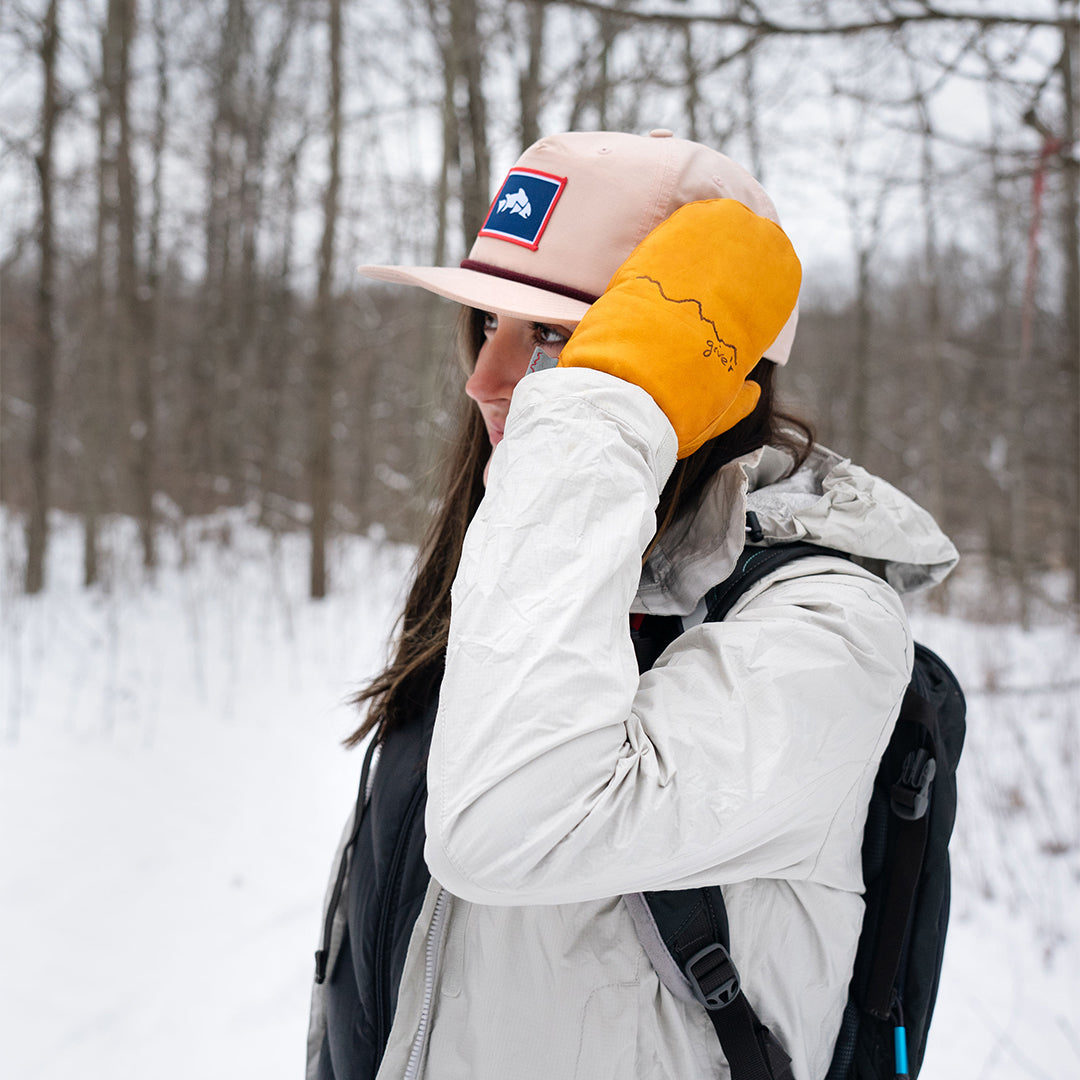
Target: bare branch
{"type": "Point", "coordinates": [750, 17]}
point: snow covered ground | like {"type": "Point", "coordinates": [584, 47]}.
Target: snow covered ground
{"type": "Point", "coordinates": [172, 787]}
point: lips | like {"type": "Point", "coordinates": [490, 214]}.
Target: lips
{"type": "Point", "coordinates": [495, 433]}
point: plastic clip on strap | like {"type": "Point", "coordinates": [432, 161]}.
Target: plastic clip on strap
{"type": "Point", "coordinates": [911, 793]}
{"type": "Point", "coordinates": [697, 942]}
{"type": "Point", "coordinates": [910, 800]}
{"type": "Point", "coordinates": [713, 977]}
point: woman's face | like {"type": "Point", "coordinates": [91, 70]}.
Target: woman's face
{"type": "Point", "coordinates": [503, 359]}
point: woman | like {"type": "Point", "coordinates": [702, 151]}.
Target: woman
{"type": "Point", "coordinates": [521, 757]}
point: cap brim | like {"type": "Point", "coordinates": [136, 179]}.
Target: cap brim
{"type": "Point", "coordinates": [520, 301]}
{"type": "Point", "coordinates": [484, 291]}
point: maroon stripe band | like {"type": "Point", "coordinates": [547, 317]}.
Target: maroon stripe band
{"type": "Point", "coordinates": [526, 279]}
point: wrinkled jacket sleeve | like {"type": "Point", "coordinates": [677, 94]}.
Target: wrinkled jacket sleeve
{"type": "Point", "coordinates": [557, 775]}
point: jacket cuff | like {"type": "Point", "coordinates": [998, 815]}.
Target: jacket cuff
{"type": "Point", "coordinates": [585, 389]}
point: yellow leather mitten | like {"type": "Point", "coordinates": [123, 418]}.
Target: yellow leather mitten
{"type": "Point", "coordinates": [690, 313]}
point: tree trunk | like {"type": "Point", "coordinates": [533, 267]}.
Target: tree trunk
{"type": "Point", "coordinates": [212, 386]}
{"type": "Point", "coordinates": [275, 354]}
{"type": "Point", "coordinates": [95, 366]}
{"type": "Point", "coordinates": [933, 355]}
{"type": "Point", "coordinates": [529, 82]}
{"type": "Point", "coordinates": [996, 516]}
{"type": "Point", "coordinates": [149, 317]}
{"type": "Point", "coordinates": [324, 361]}
{"type": "Point", "coordinates": [753, 127]}
{"type": "Point", "coordinates": [475, 165]}
{"type": "Point", "coordinates": [44, 353]}
{"type": "Point", "coordinates": [1070, 238]}
{"type": "Point", "coordinates": [133, 329]}
{"type": "Point", "coordinates": [861, 359]}
{"type": "Point", "coordinates": [692, 84]}
{"type": "Point", "coordinates": [253, 311]}
{"type": "Point", "coordinates": [106, 354]}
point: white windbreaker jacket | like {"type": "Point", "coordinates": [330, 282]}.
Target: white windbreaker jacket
{"type": "Point", "coordinates": [559, 780]}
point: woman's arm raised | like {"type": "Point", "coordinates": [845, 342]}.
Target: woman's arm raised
{"type": "Point", "coordinates": [555, 774]}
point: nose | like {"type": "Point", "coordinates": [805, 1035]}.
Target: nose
{"type": "Point", "coordinates": [500, 366]}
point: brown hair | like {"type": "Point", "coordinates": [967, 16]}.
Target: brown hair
{"type": "Point", "coordinates": [416, 669]}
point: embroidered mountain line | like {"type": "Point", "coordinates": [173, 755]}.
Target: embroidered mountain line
{"type": "Point", "coordinates": [727, 353]}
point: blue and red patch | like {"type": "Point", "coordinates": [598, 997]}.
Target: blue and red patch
{"type": "Point", "coordinates": [521, 210]}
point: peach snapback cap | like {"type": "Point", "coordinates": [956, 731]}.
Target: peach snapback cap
{"type": "Point", "coordinates": [569, 213]}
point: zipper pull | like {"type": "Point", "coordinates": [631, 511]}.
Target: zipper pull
{"type": "Point", "coordinates": [900, 1050]}
{"type": "Point", "coordinates": [900, 1055]}
{"type": "Point", "coordinates": [754, 531]}
{"type": "Point", "coordinates": [899, 1038]}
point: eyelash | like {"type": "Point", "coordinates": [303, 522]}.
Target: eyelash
{"type": "Point", "coordinates": [543, 333]}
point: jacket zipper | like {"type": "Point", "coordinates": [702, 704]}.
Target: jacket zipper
{"type": "Point", "coordinates": [393, 882]}
{"type": "Point", "coordinates": [412, 1069]}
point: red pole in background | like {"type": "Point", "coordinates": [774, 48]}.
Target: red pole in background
{"type": "Point", "coordinates": [1016, 380]}
{"type": "Point", "coordinates": [1050, 147]}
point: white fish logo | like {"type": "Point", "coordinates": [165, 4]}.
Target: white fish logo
{"type": "Point", "coordinates": [518, 203]}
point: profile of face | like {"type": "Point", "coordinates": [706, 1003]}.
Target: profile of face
{"type": "Point", "coordinates": [502, 362]}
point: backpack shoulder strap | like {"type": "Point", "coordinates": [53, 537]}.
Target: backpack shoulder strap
{"type": "Point", "coordinates": [693, 926]}
{"type": "Point", "coordinates": [692, 923]}
{"type": "Point", "coordinates": [751, 566]}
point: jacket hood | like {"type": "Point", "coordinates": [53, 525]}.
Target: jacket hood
{"type": "Point", "coordinates": [828, 501]}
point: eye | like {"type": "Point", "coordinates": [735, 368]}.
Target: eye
{"type": "Point", "coordinates": [491, 322]}
{"type": "Point", "coordinates": [545, 334]}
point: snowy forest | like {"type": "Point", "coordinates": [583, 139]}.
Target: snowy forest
{"type": "Point", "coordinates": [188, 186]}
{"type": "Point", "coordinates": [217, 444]}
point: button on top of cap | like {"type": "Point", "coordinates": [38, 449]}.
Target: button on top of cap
{"type": "Point", "coordinates": [660, 133]}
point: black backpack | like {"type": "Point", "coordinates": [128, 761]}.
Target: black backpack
{"type": "Point", "coordinates": [905, 860]}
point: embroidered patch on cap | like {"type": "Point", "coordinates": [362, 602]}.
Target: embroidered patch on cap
{"type": "Point", "coordinates": [523, 206]}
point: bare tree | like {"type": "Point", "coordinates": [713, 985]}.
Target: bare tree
{"type": "Point", "coordinates": [596, 76]}
{"type": "Point", "coordinates": [472, 120]}
{"type": "Point", "coordinates": [147, 303]}
{"type": "Point", "coordinates": [44, 354]}
{"type": "Point", "coordinates": [866, 202]}
{"type": "Point", "coordinates": [529, 80]}
{"type": "Point", "coordinates": [106, 353]}
{"type": "Point", "coordinates": [933, 353]}
{"type": "Point", "coordinates": [256, 126]}
{"type": "Point", "coordinates": [450, 162]}
{"type": "Point", "coordinates": [133, 308]}
{"type": "Point", "coordinates": [324, 365]}
{"type": "Point", "coordinates": [276, 343]}
{"type": "Point", "coordinates": [1070, 73]}
{"type": "Point", "coordinates": [214, 387]}
{"type": "Point", "coordinates": [692, 80]}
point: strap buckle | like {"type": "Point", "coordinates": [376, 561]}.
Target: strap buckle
{"type": "Point", "coordinates": [911, 793]}
{"type": "Point", "coordinates": [713, 977]}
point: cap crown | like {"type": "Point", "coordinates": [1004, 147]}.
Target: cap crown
{"type": "Point", "coordinates": [615, 189]}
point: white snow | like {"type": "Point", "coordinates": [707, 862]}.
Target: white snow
{"type": "Point", "coordinates": [172, 787]}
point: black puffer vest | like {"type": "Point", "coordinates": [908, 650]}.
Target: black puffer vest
{"type": "Point", "coordinates": [386, 885]}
